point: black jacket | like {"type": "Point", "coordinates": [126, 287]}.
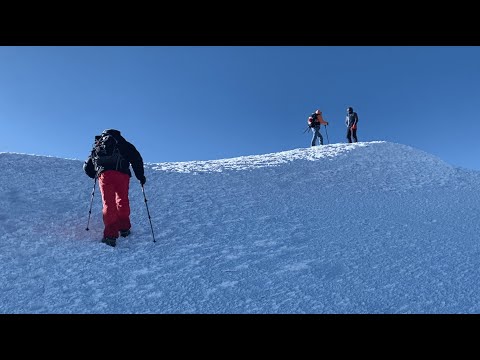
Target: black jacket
{"type": "Point", "coordinates": [129, 153]}
{"type": "Point", "coordinates": [351, 119]}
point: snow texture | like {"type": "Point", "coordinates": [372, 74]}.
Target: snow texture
{"type": "Point", "coordinates": [372, 227]}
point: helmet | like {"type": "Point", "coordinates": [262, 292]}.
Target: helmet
{"type": "Point", "coordinates": [318, 112]}
{"type": "Point", "coordinates": [350, 109]}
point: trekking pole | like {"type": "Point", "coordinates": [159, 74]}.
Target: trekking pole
{"type": "Point", "coordinates": [326, 132]}
{"type": "Point", "coordinates": [91, 202]}
{"type": "Point", "coordinates": [148, 212]}
{"type": "Point", "coordinates": [308, 127]}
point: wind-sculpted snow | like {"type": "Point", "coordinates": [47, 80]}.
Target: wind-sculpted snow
{"type": "Point", "coordinates": [401, 161]}
{"type": "Point", "coordinates": [370, 227]}
{"type": "Point", "coordinates": [258, 161]}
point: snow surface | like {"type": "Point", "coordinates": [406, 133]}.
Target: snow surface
{"type": "Point", "coordinates": [372, 227]}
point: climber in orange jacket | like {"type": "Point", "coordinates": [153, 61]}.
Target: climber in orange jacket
{"type": "Point", "coordinates": [315, 121]}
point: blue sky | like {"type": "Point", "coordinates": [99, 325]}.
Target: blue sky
{"type": "Point", "coordinates": [182, 103]}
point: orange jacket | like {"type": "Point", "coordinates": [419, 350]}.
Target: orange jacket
{"type": "Point", "coordinates": [318, 120]}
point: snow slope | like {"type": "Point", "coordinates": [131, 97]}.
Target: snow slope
{"type": "Point", "coordinates": [371, 227]}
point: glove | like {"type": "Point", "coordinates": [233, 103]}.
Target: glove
{"type": "Point", "coordinates": [142, 180]}
{"type": "Point", "coordinates": [326, 122]}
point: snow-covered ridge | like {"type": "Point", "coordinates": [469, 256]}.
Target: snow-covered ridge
{"type": "Point", "coordinates": [378, 164]}
{"type": "Point", "coordinates": [259, 161]}
{"type": "Point", "coordinates": [390, 151]}
{"type": "Point", "coordinates": [399, 153]}
{"type": "Point", "coordinates": [371, 227]}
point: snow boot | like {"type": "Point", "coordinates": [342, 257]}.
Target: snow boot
{"type": "Point", "coordinates": [124, 233]}
{"type": "Point", "coordinates": [110, 241]}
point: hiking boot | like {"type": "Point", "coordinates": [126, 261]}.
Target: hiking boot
{"type": "Point", "coordinates": [109, 241]}
{"type": "Point", "coordinates": [124, 233]}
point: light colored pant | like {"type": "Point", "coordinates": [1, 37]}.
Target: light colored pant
{"type": "Point", "coordinates": [316, 134]}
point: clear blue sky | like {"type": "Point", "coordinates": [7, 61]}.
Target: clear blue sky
{"type": "Point", "coordinates": [182, 103]}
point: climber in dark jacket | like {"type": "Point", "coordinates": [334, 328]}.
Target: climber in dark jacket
{"type": "Point", "coordinates": [351, 122]}
{"type": "Point", "coordinates": [113, 174]}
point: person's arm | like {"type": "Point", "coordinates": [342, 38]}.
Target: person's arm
{"type": "Point", "coordinates": [136, 161]}
{"type": "Point", "coordinates": [320, 118]}
{"type": "Point", "coordinates": [89, 168]}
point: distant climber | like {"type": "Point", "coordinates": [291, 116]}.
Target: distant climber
{"type": "Point", "coordinates": [315, 121]}
{"type": "Point", "coordinates": [351, 123]}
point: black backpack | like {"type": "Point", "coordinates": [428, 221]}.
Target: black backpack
{"type": "Point", "coordinates": [314, 120]}
{"type": "Point", "coordinates": [106, 153]}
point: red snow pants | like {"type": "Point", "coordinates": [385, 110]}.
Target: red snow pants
{"type": "Point", "coordinates": [116, 207]}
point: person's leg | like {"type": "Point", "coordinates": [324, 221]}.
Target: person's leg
{"type": "Point", "coordinates": [354, 134]}
{"type": "Point", "coordinates": [110, 218]}
{"type": "Point", "coordinates": [314, 138]}
{"type": "Point", "coordinates": [320, 135]}
{"type": "Point", "coordinates": [122, 201]}
{"type": "Point", "coordinates": [349, 134]}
